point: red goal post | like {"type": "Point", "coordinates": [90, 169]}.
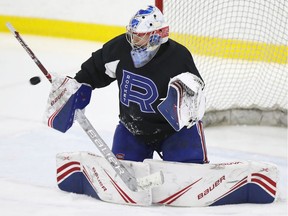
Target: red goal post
{"type": "Point", "coordinates": [240, 49]}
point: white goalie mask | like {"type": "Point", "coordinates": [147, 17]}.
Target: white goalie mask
{"type": "Point", "coordinates": [146, 31]}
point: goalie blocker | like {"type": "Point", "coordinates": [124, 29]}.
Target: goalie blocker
{"type": "Point", "coordinates": [65, 97]}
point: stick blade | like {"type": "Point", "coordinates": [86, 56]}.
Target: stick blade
{"type": "Point", "coordinates": [148, 182]}
{"type": "Point", "coordinates": [11, 28]}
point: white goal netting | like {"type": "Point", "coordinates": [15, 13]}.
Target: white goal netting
{"type": "Point", "coordinates": [240, 49]}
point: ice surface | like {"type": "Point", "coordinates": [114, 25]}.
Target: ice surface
{"type": "Point", "coordinates": [28, 148]}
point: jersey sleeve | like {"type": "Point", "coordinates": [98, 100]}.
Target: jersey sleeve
{"type": "Point", "coordinates": [93, 71]}
{"type": "Point", "coordinates": [99, 70]}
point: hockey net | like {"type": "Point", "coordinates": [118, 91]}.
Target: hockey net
{"type": "Point", "coordinates": [240, 49]}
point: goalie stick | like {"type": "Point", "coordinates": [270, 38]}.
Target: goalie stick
{"type": "Point", "coordinates": [134, 184]}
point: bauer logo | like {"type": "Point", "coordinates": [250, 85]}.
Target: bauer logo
{"type": "Point", "coordinates": [138, 89]}
{"type": "Point", "coordinates": [58, 97]}
{"type": "Point", "coordinates": [211, 188]}
{"type": "Point", "coordinates": [98, 179]}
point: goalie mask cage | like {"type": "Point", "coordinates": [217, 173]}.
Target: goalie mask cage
{"type": "Point", "coordinates": [240, 49]}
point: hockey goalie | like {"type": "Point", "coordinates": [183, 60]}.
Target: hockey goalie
{"type": "Point", "coordinates": [161, 104]}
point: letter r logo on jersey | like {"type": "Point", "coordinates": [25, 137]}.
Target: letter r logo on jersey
{"type": "Point", "coordinates": [138, 89]}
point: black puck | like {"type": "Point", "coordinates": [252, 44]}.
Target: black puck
{"type": "Point", "coordinates": [35, 80]}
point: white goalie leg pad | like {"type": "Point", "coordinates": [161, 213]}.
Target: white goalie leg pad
{"type": "Point", "coordinates": [101, 178]}
{"type": "Point", "coordinates": [185, 184]}
{"type": "Point", "coordinates": [212, 184]}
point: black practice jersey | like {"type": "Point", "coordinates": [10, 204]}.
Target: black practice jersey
{"type": "Point", "coordinates": [140, 89]}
